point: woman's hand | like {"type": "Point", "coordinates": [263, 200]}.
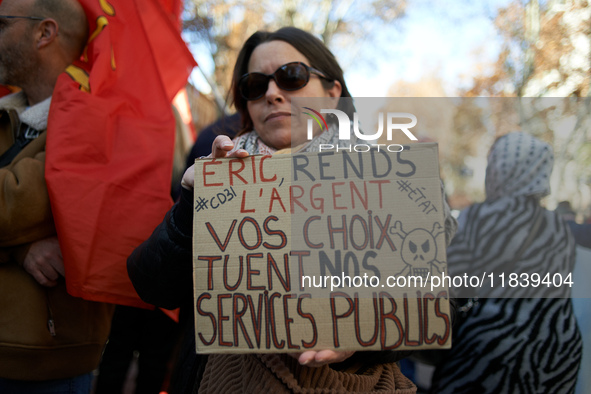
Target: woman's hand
{"type": "Point", "coordinates": [220, 148]}
{"type": "Point", "coordinates": [313, 358]}
{"type": "Point", "coordinates": [188, 181]}
{"type": "Point", "coordinates": [222, 145]}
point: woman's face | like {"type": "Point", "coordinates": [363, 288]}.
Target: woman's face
{"type": "Point", "coordinates": [271, 114]}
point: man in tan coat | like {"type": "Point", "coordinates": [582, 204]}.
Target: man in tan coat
{"type": "Point", "coordinates": [48, 339]}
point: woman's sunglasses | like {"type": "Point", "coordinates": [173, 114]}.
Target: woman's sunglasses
{"type": "Point", "coordinates": [290, 76]}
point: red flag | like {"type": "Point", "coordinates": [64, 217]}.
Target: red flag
{"type": "Point", "coordinates": [173, 8]}
{"type": "Point", "coordinates": [110, 143]}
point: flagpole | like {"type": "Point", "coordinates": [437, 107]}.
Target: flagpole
{"type": "Point", "coordinates": [219, 100]}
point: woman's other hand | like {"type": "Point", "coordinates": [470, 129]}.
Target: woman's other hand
{"type": "Point", "coordinates": [313, 358]}
{"type": "Point", "coordinates": [220, 148]}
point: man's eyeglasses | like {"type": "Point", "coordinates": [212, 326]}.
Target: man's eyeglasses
{"type": "Point", "coordinates": [34, 18]}
{"type": "Point", "coordinates": [290, 76]}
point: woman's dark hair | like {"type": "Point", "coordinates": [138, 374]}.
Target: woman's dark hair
{"type": "Point", "coordinates": [320, 57]}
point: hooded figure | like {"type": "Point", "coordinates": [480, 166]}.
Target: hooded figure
{"type": "Point", "coordinates": [525, 339]}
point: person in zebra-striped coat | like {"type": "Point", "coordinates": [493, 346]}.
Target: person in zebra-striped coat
{"type": "Point", "coordinates": [520, 340]}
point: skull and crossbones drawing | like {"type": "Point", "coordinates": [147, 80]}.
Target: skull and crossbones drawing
{"type": "Point", "coordinates": [419, 250]}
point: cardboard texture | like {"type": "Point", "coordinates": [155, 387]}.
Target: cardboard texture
{"type": "Point", "coordinates": [320, 251]}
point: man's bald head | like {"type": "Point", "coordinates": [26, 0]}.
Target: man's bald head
{"type": "Point", "coordinates": [71, 19]}
{"type": "Point", "coordinates": [34, 53]}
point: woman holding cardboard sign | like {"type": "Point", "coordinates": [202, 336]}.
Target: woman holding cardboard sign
{"type": "Point", "coordinates": [272, 68]}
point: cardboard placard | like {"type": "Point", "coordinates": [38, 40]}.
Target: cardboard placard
{"type": "Point", "coordinates": [332, 250]}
